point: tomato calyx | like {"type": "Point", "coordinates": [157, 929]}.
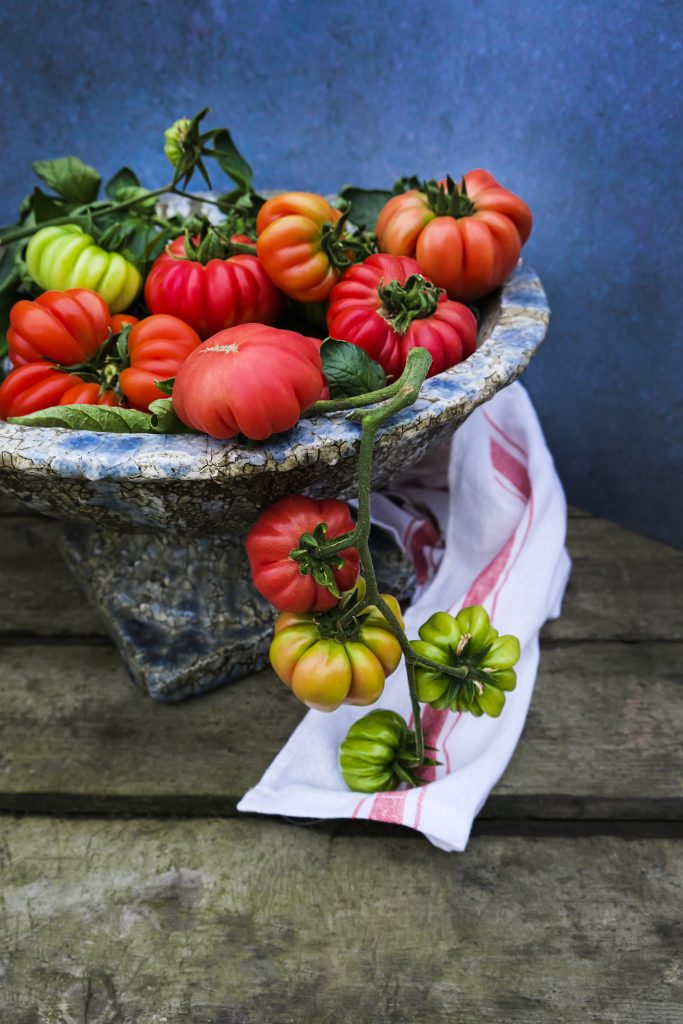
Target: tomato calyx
{"type": "Point", "coordinates": [315, 560]}
{"type": "Point", "coordinates": [472, 678]}
{"type": "Point", "coordinates": [211, 243]}
{"type": "Point", "coordinates": [406, 760]}
{"type": "Point", "coordinates": [417, 299]}
{"type": "Point", "coordinates": [343, 622]}
{"type": "Point", "coordinates": [105, 366]}
{"type": "Point", "coordinates": [448, 199]}
{"type": "Point", "coordinates": [343, 250]}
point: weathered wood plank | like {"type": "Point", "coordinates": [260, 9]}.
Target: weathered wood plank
{"type": "Point", "coordinates": [602, 739]}
{"type": "Point", "coordinates": [623, 585]}
{"type": "Point", "coordinates": [246, 922]}
{"type": "Point", "coordinates": [39, 596]}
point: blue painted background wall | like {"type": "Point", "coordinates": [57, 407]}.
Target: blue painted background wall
{"type": "Point", "coordinates": [574, 105]}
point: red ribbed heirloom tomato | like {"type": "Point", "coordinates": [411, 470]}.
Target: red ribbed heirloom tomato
{"type": "Point", "coordinates": [467, 238]}
{"type": "Point", "coordinates": [387, 306]}
{"type": "Point", "coordinates": [215, 295]}
{"type": "Point", "coordinates": [297, 241]}
{"type": "Point", "coordinates": [323, 671]}
{"type": "Point", "coordinates": [157, 347]}
{"type": "Point", "coordinates": [66, 327]}
{"type": "Point", "coordinates": [282, 547]}
{"type": "Point", "coordinates": [39, 385]}
{"type": "Point", "coordinates": [252, 380]}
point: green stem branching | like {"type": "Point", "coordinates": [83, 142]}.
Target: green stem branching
{"type": "Point", "coordinates": [99, 209]}
{"type": "Point", "coordinates": [392, 400]}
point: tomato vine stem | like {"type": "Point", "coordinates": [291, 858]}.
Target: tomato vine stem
{"type": "Point", "coordinates": [97, 209]}
{"type": "Point", "coordinates": [392, 400]}
{"type": "Point", "coordinates": [387, 402]}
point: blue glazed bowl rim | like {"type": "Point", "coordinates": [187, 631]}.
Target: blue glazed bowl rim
{"type": "Point", "coordinates": [518, 331]}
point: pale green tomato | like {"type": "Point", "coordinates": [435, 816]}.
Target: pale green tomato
{"type": "Point", "coordinates": [63, 257]}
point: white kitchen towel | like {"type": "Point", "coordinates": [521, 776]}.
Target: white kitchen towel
{"type": "Point", "coordinates": [499, 502]}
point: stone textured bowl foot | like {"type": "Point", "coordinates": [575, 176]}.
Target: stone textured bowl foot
{"type": "Point", "coordinates": [186, 617]}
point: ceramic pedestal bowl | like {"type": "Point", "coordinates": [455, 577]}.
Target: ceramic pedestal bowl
{"type": "Point", "coordinates": [155, 524]}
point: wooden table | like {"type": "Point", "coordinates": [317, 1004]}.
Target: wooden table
{"type": "Point", "coordinates": [133, 894]}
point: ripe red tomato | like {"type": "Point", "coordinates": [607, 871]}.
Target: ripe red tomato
{"type": "Point", "coordinates": [213, 296]}
{"type": "Point", "coordinates": [88, 393]}
{"type": "Point", "coordinates": [39, 385]}
{"type": "Point", "coordinates": [387, 307]}
{"type": "Point", "coordinates": [254, 380]}
{"type": "Point", "coordinates": [119, 319]}
{"type": "Point", "coordinates": [290, 583]}
{"type": "Point", "coordinates": [66, 327]}
{"type": "Point", "coordinates": [466, 238]}
{"type": "Point", "coordinates": [157, 346]}
{"type": "Point", "coordinates": [297, 244]}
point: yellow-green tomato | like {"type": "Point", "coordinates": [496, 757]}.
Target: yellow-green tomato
{"type": "Point", "coordinates": [63, 257]}
{"type": "Point", "coordinates": [323, 671]}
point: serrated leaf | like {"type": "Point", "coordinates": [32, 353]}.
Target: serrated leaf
{"type": "Point", "coordinates": [231, 160]}
{"type": "Point", "coordinates": [70, 178]}
{"type": "Point", "coordinates": [349, 370]}
{"type": "Point", "coordinates": [366, 204]}
{"type": "Point", "coordinates": [165, 420]}
{"type": "Point", "coordinates": [125, 178]}
{"type": "Point", "coordinates": [112, 419]}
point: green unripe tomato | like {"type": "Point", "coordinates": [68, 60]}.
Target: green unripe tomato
{"type": "Point", "coordinates": [470, 643]}
{"type": "Point", "coordinates": [373, 750]}
{"type": "Point", "coordinates": [63, 257]}
{"type": "Point", "coordinates": [174, 138]}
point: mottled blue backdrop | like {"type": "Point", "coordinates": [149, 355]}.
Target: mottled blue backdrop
{"type": "Point", "coordinates": [575, 105]}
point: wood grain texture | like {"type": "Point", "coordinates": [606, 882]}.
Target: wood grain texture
{"type": "Point", "coordinates": [602, 739]}
{"type": "Point", "coordinates": [252, 922]}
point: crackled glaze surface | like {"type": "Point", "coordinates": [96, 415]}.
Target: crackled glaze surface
{"type": "Point", "coordinates": [198, 485]}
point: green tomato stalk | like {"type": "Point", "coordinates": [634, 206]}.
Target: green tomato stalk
{"type": "Point", "coordinates": [460, 662]}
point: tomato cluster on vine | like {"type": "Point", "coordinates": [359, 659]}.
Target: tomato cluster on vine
{"type": "Point", "coordinates": [164, 323]}
{"type": "Point", "coordinates": [120, 299]}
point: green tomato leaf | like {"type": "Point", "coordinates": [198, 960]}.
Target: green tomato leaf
{"type": "Point", "coordinates": [366, 204]}
{"type": "Point", "coordinates": [349, 370]}
{"type": "Point", "coordinates": [89, 417]}
{"type": "Point", "coordinates": [7, 300]}
{"type": "Point", "coordinates": [70, 178]}
{"type": "Point", "coordinates": [45, 207]}
{"type": "Point", "coordinates": [124, 179]}
{"type": "Point", "coordinates": [125, 186]}
{"type": "Point", "coordinates": [230, 159]}
{"type": "Point", "coordinates": [9, 269]}
{"type": "Point", "coordinates": [164, 418]}
{"type": "Point", "coordinates": [166, 386]}
{"type": "Point", "coordinates": [406, 184]}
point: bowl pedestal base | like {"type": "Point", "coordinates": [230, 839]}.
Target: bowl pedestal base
{"type": "Point", "coordinates": [186, 617]}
